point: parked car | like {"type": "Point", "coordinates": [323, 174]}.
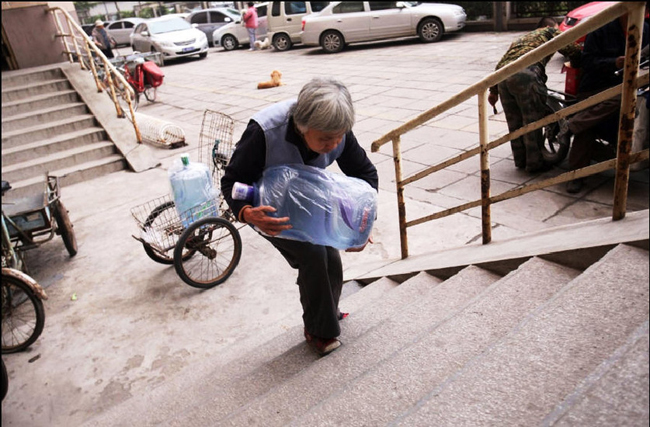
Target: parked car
{"type": "Point", "coordinates": [121, 29]}
{"type": "Point", "coordinates": [173, 37]}
{"type": "Point", "coordinates": [342, 23]}
{"type": "Point", "coordinates": [583, 13]}
{"type": "Point", "coordinates": [284, 21]}
{"type": "Point", "coordinates": [208, 20]}
{"type": "Point", "coordinates": [232, 35]}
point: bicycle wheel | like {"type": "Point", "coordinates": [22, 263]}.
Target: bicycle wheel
{"type": "Point", "coordinates": [219, 247]}
{"type": "Point", "coordinates": [4, 380]}
{"type": "Point", "coordinates": [23, 315]}
{"type": "Point", "coordinates": [556, 146]}
{"type": "Point", "coordinates": [164, 219]}
{"type": "Point", "coordinates": [64, 227]}
{"type": "Point", "coordinates": [150, 93]}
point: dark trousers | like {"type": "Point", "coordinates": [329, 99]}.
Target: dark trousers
{"type": "Point", "coordinates": [598, 121]}
{"type": "Point", "coordinates": [320, 280]}
{"type": "Point", "coordinates": [523, 97]}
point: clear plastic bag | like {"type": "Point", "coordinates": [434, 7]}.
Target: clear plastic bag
{"type": "Point", "coordinates": [323, 207]}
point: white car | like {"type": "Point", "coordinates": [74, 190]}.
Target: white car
{"type": "Point", "coordinates": [173, 37]}
{"type": "Point", "coordinates": [121, 30]}
{"type": "Point", "coordinates": [346, 22]}
{"type": "Point", "coordinates": [232, 35]}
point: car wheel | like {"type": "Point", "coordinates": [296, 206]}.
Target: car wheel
{"type": "Point", "coordinates": [332, 42]}
{"type": "Point", "coordinates": [229, 42]}
{"type": "Point", "coordinates": [282, 42]}
{"type": "Point", "coordinates": [430, 30]}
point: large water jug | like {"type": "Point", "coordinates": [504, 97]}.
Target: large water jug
{"type": "Point", "coordinates": [324, 208]}
{"type": "Point", "coordinates": [192, 189]}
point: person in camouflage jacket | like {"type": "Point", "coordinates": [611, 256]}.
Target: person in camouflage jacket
{"type": "Point", "coordinates": [523, 95]}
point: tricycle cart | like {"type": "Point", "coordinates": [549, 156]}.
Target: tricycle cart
{"type": "Point", "coordinates": [206, 252]}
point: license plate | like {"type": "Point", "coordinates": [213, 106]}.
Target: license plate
{"type": "Point", "coordinates": [187, 49]}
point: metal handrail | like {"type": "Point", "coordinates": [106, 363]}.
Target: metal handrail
{"type": "Point", "coordinates": [109, 69]}
{"type": "Point", "coordinates": [480, 89]}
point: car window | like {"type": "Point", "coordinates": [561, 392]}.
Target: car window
{"type": "Point", "coordinates": [317, 6]}
{"type": "Point", "coordinates": [199, 18]}
{"type": "Point", "coordinates": [217, 17]}
{"type": "Point", "coordinates": [295, 7]}
{"type": "Point", "coordinates": [115, 26]}
{"type": "Point", "coordinates": [348, 7]}
{"type": "Point", "coordinates": [382, 5]}
{"type": "Point", "coordinates": [261, 11]}
{"type": "Point", "coordinates": [129, 25]}
{"type": "Point", "coordinates": [275, 9]}
{"type": "Point", "coordinates": [140, 28]}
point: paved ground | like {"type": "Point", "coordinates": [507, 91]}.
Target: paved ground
{"type": "Point", "coordinates": [134, 323]}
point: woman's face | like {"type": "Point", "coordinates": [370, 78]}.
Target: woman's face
{"type": "Point", "coordinates": [322, 142]}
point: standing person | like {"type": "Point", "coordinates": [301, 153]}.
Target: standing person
{"type": "Point", "coordinates": [316, 130]}
{"type": "Point", "coordinates": [251, 22]}
{"type": "Point", "coordinates": [604, 54]}
{"type": "Point", "coordinates": [523, 95]}
{"type": "Point", "coordinates": [103, 41]}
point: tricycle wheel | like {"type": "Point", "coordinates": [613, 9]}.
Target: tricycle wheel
{"type": "Point", "coordinates": [164, 219]}
{"type": "Point", "coordinates": [556, 143]}
{"type": "Point", "coordinates": [219, 248]}
{"type": "Point", "coordinates": [150, 93]}
{"type": "Point", "coordinates": [23, 315]}
{"type": "Point", "coordinates": [64, 227]}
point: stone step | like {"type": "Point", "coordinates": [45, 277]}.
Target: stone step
{"type": "Point", "coordinates": [383, 392]}
{"type": "Point", "coordinates": [521, 379]}
{"type": "Point", "coordinates": [70, 175]}
{"type": "Point", "coordinates": [397, 331]}
{"type": "Point", "coordinates": [616, 393]}
{"type": "Point", "coordinates": [17, 80]}
{"type": "Point", "coordinates": [33, 89]}
{"type": "Point", "coordinates": [40, 149]}
{"type": "Point", "coordinates": [38, 102]}
{"type": "Point", "coordinates": [36, 117]}
{"type": "Point", "coordinates": [47, 130]}
{"type": "Point", "coordinates": [57, 161]}
{"type": "Point", "coordinates": [49, 114]}
{"type": "Point", "coordinates": [260, 369]}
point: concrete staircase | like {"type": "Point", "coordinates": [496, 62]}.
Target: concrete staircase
{"type": "Point", "coordinates": [46, 127]}
{"type": "Point", "coordinates": [543, 344]}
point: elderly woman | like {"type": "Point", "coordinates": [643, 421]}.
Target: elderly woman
{"type": "Point", "coordinates": [315, 130]}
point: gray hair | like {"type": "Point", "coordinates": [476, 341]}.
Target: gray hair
{"type": "Point", "coordinates": [324, 104]}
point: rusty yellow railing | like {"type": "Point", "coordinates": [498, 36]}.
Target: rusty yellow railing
{"type": "Point", "coordinates": [480, 89]}
{"type": "Point", "coordinates": [112, 78]}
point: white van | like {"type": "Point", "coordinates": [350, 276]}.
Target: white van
{"type": "Point", "coordinates": [284, 20]}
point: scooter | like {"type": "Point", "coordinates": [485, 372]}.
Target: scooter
{"type": "Point", "coordinates": [556, 143]}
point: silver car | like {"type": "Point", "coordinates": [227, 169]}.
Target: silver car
{"type": "Point", "coordinates": [121, 30]}
{"type": "Point", "coordinates": [173, 37]}
{"type": "Point", "coordinates": [346, 22]}
{"type": "Point", "coordinates": [232, 35]}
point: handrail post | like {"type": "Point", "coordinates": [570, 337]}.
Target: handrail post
{"type": "Point", "coordinates": [74, 42]}
{"type": "Point", "coordinates": [60, 29]}
{"type": "Point", "coordinates": [486, 221]}
{"type": "Point", "coordinates": [628, 106]}
{"type": "Point", "coordinates": [401, 204]}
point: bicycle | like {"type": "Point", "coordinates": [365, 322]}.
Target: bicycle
{"type": "Point", "coordinates": [34, 220]}
{"type": "Point", "coordinates": [141, 73]}
{"type": "Point", "coordinates": [207, 251]}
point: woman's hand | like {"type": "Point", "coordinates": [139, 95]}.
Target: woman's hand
{"type": "Point", "coordinates": [267, 224]}
{"type": "Point", "coordinates": [360, 248]}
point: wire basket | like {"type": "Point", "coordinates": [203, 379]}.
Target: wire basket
{"type": "Point", "coordinates": [161, 225]}
{"type": "Point", "coordinates": [215, 142]}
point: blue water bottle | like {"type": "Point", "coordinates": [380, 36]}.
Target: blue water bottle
{"type": "Point", "coordinates": [192, 189]}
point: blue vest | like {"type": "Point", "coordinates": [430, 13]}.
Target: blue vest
{"type": "Point", "coordinates": [274, 121]}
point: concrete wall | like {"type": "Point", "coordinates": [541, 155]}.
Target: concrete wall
{"type": "Point", "coordinates": [30, 31]}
